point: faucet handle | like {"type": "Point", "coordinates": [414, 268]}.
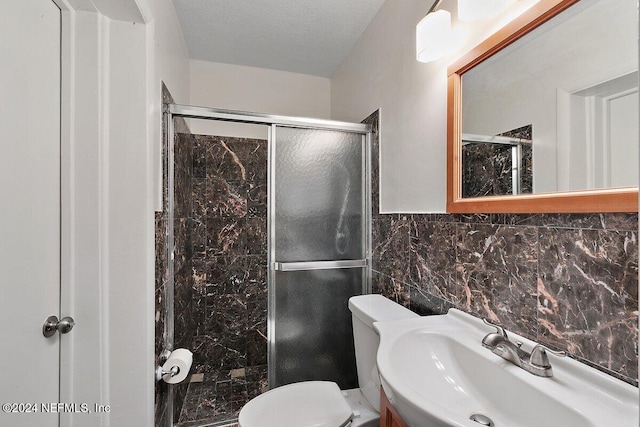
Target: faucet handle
{"type": "Point", "coordinates": [499, 329]}
{"type": "Point", "coordinates": [539, 356]}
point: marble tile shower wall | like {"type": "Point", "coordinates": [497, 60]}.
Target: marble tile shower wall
{"type": "Point", "coordinates": [229, 271]}
{"type": "Point", "coordinates": [567, 280]}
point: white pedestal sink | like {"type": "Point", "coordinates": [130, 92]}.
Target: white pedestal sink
{"type": "Point", "coordinates": [436, 373]}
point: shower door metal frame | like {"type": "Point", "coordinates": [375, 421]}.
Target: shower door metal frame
{"type": "Point", "coordinates": [172, 111]}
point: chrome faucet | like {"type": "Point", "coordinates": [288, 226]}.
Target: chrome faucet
{"type": "Point", "coordinates": [536, 362]}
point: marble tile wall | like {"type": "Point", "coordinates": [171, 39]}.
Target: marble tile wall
{"type": "Point", "coordinates": [567, 280]}
{"type": "Point", "coordinates": [229, 272]}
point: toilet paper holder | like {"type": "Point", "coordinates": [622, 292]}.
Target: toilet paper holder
{"type": "Point", "coordinates": [160, 372]}
{"type": "Point", "coordinates": [174, 365]}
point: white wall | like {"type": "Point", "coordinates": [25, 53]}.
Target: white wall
{"type": "Point", "coordinates": [381, 72]}
{"type": "Point", "coordinates": [235, 87]}
{"type": "Point", "coordinates": [168, 57]}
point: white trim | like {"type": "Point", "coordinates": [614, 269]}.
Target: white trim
{"type": "Point", "coordinates": [67, 92]}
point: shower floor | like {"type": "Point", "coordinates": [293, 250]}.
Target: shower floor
{"type": "Point", "coordinates": [217, 400]}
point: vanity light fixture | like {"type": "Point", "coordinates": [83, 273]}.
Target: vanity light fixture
{"type": "Point", "coordinates": [472, 10]}
{"type": "Point", "coordinates": [433, 35]}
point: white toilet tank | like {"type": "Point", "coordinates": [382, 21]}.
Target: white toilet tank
{"type": "Point", "coordinates": [366, 309]}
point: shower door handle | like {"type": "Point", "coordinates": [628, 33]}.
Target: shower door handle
{"type": "Point", "coordinates": [319, 265]}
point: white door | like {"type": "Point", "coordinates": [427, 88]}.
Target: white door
{"type": "Point", "coordinates": [623, 139]}
{"type": "Point", "coordinates": [29, 210]}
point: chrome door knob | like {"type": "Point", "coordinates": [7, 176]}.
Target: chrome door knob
{"type": "Point", "coordinates": [52, 324]}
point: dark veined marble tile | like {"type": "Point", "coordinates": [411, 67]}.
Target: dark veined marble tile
{"type": "Point", "coordinates": [226, 314]}
{"type": "Point", "coordinates": [225, 236]}
{"type": "Point", "coordinates": [184, 329]}
{"type": "Point", "coordinates": [200, 202]}
{"type": "Point", "coordinates": [526, 178]}
{"type": "Point", "coordinates": [220, 159]}
{"type": "Point", "coordinates": [257, 380]}
{"type": "Point", "coordinates": [256, 347]}
{"type": "Point", "coordinates": [588, 295]}
{"type": "Point", "coordinates": [199, 308]}
{"type": "Point", "coordinates": [621, 221]}
{"type": "Point", "coordinates": [199, 157]}
{"type": "Point", "coordinates": [254, 154]}
{"type": "Point", "coordinates": [160, 321]}
{"type": "Point", "coordinates": [586, 220]}
{"type": "Point", "coordinates": [390, 288]}
{"type": "Point", "coordinates": [478, 170]}
{"type": "Point", "coordinates": [257, 200]}
{"type": "Point", "coordinates": [496, 275]}
{"type": "Point", "coordinates": [223, 390]}
{"type": "Point", "coordinates": [182, 177]}
{"type": "Point", "coordinates": [180, 243]}
{"type": "Point", "coordinates": [224, 275]}
{"type": "Point", "coordinates": [161, 414]}
{"type": "Point", "coordinates": [226, 198]}
{"type": "Point", "coordinates": [256, 281]}
{"type": "Point", "coordinates": [228, 157]}
{"type": "Point", "coordinates": [189, 409]}
{"type": "Point", "coordinates": [207, 402]}
{"type": "Point", "coordinates": [198, 228]}
{"type": "Point", "coordinates": [160, 252]}
{"type": "Point", "coordinates": [429, 217]}
{"type": "Point", "coordinates": [213, 353]}
{"type": "Point", "coordinates": [238, 389]}
{"type": "Point", "coordinates": [179, 394]}
{"type": "Point", "coordinates": [478, 218]}
{"type": "Point", "coordinates": [516, 219]}
{"type": "Point", "coordinates": [256, 236]}
{"type": "Point", "coordinates": [426, 304]}
{"type": "Point", "coordinates": [391, 246]}
{"type": "Point", "coordinates": [433, 254]}
{"type": "Point", "coordinates": [502, 166]}
{"type": "Point", "coordinates": [257, 315]}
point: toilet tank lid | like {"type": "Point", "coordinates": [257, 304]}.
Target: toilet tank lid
{"type": "Point", "coordinates": [376, 308]}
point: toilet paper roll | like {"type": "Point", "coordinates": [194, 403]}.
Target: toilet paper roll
{"type": "Point", "coordinates": [180, 358]}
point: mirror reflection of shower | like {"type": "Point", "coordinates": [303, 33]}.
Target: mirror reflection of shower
{"type": "Point", "coordinates": [498, 165]}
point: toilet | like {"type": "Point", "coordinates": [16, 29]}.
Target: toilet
{"type": "Point", "coordinates": [322, 403]}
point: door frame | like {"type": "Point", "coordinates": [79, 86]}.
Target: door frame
{"type": "Point", "coordinates": [82, 230]}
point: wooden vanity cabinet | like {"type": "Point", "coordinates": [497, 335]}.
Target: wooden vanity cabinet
{"type": "Point", "coordinates": [388, 415]}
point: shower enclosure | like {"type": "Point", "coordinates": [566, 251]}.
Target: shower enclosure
{"type": "Point", "coordinates": [497, 165]}
{"type": "Point", "coordinates": [268, 269]}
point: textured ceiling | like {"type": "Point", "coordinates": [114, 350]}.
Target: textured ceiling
{"type": "Point", "coordinates": [301, 36]}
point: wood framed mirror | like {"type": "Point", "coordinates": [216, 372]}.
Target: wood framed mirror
{"type": "Point", "coordinates": [524, 139]}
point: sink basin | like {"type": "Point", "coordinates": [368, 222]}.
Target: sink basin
{"type": "Point", "coordinates": [436, 373]}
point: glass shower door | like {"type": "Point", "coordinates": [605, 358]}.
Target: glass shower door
{"type": "Point", "coordinates": [319, 252]}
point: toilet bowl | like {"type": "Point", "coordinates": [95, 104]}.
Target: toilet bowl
{"type": "Point", "coordinates": [322, 403]}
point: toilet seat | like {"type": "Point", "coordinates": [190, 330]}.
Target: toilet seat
{"type": "Point", "coordinates": [312, 403]}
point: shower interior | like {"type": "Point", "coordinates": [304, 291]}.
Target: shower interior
{"type": "Point", "coordinates": [230, 246]}
{"type": "Point", "coordinates": [498, 165]}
